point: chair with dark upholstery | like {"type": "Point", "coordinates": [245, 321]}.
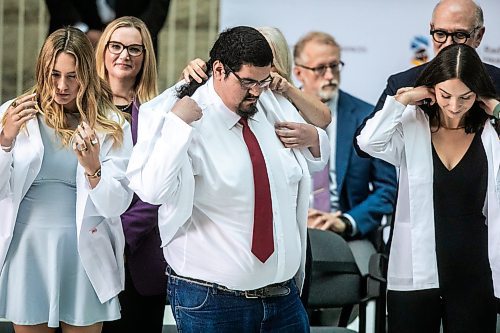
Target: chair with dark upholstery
{"type": "Point", "coordinates": [335, 281]}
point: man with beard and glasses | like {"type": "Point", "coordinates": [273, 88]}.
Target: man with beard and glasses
{"type": "Point", "coordinates": [352, 194]}
{"type": "Point", "coordinates": [233, 198]}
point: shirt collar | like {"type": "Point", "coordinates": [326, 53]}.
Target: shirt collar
{"type": "Point", "coordinates": [333, 103]}
{"type": "Point", "coordinates": [230, 118]}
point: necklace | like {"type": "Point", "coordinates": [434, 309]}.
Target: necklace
{"type": "Point", "coordinates": [123, 108]}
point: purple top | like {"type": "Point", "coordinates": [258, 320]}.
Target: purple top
{"type": "Point", "coordinates": [144, 256]}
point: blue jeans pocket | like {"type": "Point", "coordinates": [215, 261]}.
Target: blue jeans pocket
{"type": "Point", "coordinates": [190, 296]}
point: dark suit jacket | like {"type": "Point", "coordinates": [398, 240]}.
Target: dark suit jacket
{"type": "Point", "coordinates": [366, 187]}
{"type": "Point", "coordinates": [69, 12]}
{"type": "Point", "coordinates": [143, 254]}
{"type": "Point", "coordinates": [152, 12]}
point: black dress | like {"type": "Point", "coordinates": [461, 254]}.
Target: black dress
{"type": "Point", "coordinates": [466, 287]}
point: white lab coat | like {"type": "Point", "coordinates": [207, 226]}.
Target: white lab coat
{"type": "Point", "coordinates": [176, 202]}
{"type": "Point", "coordinates": [100, 236]}
{"type": "Point", "coordinates": [401, 136]}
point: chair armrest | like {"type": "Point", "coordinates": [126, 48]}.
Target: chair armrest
{"type": "Point", "coordinates": [376, 278]}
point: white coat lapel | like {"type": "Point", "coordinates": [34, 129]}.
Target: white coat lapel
{"type": "Point", "coordinates": [418, 153]}
{"type": "Point", "coordinates": [83, 206]}
{"type": "Point", "coordinates": [491, 144]}
{"type": "Point", "coordinates": [494, 141]}
{"type": "Point", "coordinates": [28, 155]}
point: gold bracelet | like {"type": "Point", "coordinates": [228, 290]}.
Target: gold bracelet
{"type": "Point", "coordinates": [96, 174]}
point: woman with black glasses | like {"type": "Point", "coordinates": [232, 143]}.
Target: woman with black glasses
{"type": "Point", "coordinates": [126, 59]}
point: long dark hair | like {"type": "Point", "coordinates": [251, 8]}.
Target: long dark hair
{"type": "Point", "coordinates": [459, 61]}
{"type": "Point", "coordinates": [234, 48]}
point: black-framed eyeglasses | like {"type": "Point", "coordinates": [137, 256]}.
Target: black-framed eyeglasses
{"type": "Point", "coordinates": [458, 37]}
{"type": "Point", "coordinates": [249, 83]}
{"type": "Point", "coordinates": [321, 69]}
{"type": "Point", "coordinates": [134, 50]}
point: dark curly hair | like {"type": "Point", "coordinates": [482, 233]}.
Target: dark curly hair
{"type": "Point", "coordinates": [459, 61]}
{"type": "Point", "coordinates": [234, 48]}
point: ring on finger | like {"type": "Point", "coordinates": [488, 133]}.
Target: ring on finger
{"type": "Point", "coordinates": [14, 103]}
{"type": "Point", "coordinates": [82, 147]}
{"type": "Point", "coordinates": [81, 136]}
{"type": "Point", "coordinates": [94, 141]}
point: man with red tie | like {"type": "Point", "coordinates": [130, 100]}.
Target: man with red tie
{"type": "Point", "coordinates": [234, 199]}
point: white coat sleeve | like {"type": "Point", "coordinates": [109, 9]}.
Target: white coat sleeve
{"type": "Point", "coordinates": [317, 164]}
{"type": "Point", "coordinates": [112, 196]}
{"type": "Point", "coordinates": [5, 173]}
{"type": "Point", "coordinates": [6, 160]}
{"type": "Point", "coordinates": [382, 136]}
{"type": "Point", "coordinates": [159, 162]}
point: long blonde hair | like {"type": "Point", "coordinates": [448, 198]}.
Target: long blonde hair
{"type": "Point", "coordinates": [94, 98]}
{"type": "Point", "coordinates": [282, 56]}
{"type": "Point", "coordinates": [146, 87]}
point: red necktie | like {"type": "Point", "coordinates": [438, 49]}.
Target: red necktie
{"type": "Point", "coordinates": [262, 239]}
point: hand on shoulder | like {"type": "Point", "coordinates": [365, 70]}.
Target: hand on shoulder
{"type": "Point", "coordinates": [279, 84]}
{"type": "Point", "coordinates": [196, 69]}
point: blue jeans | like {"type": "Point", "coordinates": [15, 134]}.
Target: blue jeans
{"type": "Point", "coordinates": [200, 308]}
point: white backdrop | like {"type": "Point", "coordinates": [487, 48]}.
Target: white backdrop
{"type": "Point", "coordinates": [375, 35]}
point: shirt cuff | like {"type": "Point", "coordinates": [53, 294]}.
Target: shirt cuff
{"type": "Point", "coordinates": [353, 224]}
{"type": "Point", "coordinates": [307, 154]}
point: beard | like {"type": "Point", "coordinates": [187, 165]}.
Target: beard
{"type": "Point", "coordinates": [247, 111]}
{"type": "Point", "coordinates": [328, 91]}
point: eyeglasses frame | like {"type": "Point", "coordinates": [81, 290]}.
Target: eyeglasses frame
{"type": "Point", "coordinates": [125, 47]}
{"type": "Point", "coordinates": [334, 67]}
{"type": "Point", "coordinates": [245, 84]}
{"type": "Point", "coordinates": [467, 35]}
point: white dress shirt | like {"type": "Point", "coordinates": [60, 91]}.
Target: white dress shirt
{"type": "Point", "coordinates": [331, 130]}
{"type": "Point", "coordinates": [202, 174]}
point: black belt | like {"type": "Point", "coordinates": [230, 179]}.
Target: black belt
{"type": "Point", "coordinates": [272, 290]}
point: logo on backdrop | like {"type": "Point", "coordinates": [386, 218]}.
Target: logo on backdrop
{"type": "Point", "coordinates": [419, 46]}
